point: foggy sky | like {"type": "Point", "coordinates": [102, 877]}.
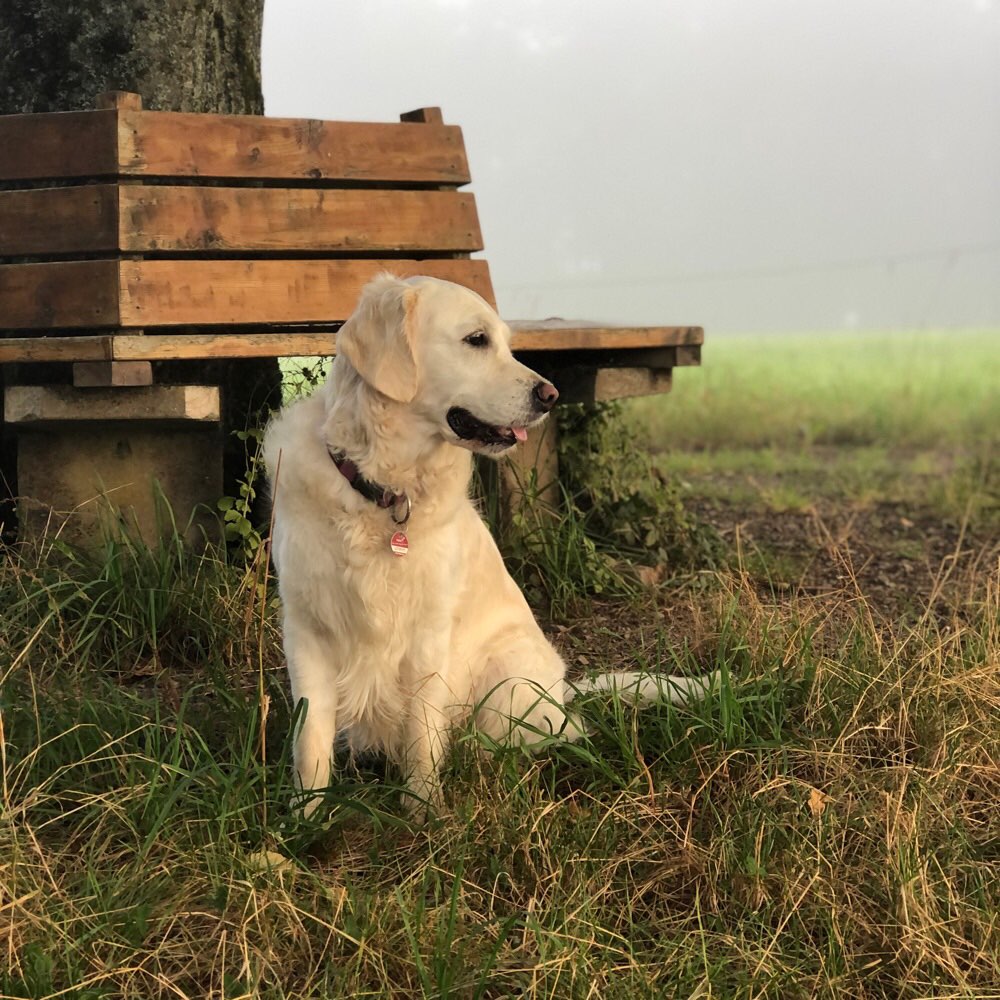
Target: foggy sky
{"type": "Point", "coordinates": [741, 164]}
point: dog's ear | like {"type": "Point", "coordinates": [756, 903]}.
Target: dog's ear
{"type": "Point", "coordinates": [378, 338]}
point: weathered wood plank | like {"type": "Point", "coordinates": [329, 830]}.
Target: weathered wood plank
{"type": "Point", "coordinates": [59, 294]}
{"type": "Point", "coordinates": [574, 335]}
{"type": "Point", "coordinates": [301, 343]}
{"type": "Point", "coordinates": [26, 349]}
{"type": "Point", "coordinates": [595, 385]}
{"type": "Point", "coordinates": [139, 348]}
{"type": "Point", "coordinates": [119, 99]}
{"type": "Point", "coordinates": [680, 356]}
{"type": "Point", "coordinates": [427, 116]}
{"type": "Point", "coordinates": [91, 374]}
{"type": "Point", "coordinates": [34, 404]}
{"type": "Point", "coordinates": [283, 343]}
{"type": "Point", "coordinates": [62, 220]}
{"type": "Point", "coordinates": [155, 218]}
{"type": "Point", "coordinates": [169, 144]}
{"type": "Point", "coordinates": [66, 144]}
{"type": "Point", "coordinates": [183, 346]}
{"type": "Point", "coordinates": [192, 219]}
{"type": "Point", "coordinates": [204, 293]}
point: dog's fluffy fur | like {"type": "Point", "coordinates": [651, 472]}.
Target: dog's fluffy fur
{"type": "Point", "coordinates": [391, 651]}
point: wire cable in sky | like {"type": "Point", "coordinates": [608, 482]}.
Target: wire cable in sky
{"type": "Point", "coordinates": [598, 280]}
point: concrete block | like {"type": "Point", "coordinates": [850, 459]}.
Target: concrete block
{"type": "Point", "coordinates": [74, 476]}
{"type": "Point", "coordinates": [35, 404]}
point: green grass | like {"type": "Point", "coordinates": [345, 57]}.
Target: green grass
{"type": "Point", "coordinates": [826, 826]}
{"type": "Point", "coordinates": [907, 390]}
{"type": "Point", "coordinates": [784, 421]}
{"type": "Point", "coordinates": [797, 479]}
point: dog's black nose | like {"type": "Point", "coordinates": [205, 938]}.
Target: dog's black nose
{"type": "Point", "coordinates": [545, 394]}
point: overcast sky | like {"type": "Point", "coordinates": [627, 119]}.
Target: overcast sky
{"type": "Point", "coordinates": [740, 164]}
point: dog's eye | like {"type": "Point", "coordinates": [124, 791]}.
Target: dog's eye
{"type": "Point", "coordinates": [477, 339]}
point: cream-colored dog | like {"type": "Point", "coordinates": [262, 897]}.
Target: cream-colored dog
{"type": "Point", "coordinates": [399, 616]}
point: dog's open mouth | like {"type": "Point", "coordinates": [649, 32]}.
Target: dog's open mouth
{"type": "Point", "coordinates": [471, 428]}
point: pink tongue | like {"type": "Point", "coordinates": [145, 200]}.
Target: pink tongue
{"type": "Point", "coordinates": [520, 433]}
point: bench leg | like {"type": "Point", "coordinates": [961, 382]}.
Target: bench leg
{"type": "Point", "coordinates": [73, 477]}
{"type": "Point", "coordinates": [533, 466]}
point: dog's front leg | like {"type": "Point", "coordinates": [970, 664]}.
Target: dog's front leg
{"type": "Point", "coordinates": [313, 686]}
{"type": "Point", "coordinates": [425, 741]}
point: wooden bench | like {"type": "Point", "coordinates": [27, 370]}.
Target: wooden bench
{"type": "Point", "coordinates": [130, 237]}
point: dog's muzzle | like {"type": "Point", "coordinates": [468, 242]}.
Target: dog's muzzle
{"type": "Point", "coordinates": [470, 428]}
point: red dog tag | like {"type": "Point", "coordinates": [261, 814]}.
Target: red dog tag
{"type": "Point", "coordinates": [399, 544]}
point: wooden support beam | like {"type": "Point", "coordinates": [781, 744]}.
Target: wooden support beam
{"type": "Point", "coordinates": [91, 374]}
{"type": "Point", "coordinates": [120, 100]}
{"type": "Point", "coordinates": [550, 363]}
{"type": "Point", "coordinates": [596, 385]}
{"type": "Point", "coordinates": [576, 335]}
{"type": "Point", "coordinates": [26, 349]}
{"type": "Point", "coordinates": [425, 116]}
{"type": "Point", "coordinates": [184, 346]}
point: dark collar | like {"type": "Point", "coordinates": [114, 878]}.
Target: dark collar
{"type": "Point", "coordinates": [375, 492]}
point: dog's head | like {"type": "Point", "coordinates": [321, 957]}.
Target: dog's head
{"type": "Point", "coordinates": [441, 349]}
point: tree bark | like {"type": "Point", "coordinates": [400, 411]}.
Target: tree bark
{"type": "Point", "coordinates": [178, 55]}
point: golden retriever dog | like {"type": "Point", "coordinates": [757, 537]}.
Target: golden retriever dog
{"type": "Point", "coordinates": [400, 619]}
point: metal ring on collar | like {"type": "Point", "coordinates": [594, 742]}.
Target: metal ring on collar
{"type": "Point", "coordinates": [402, 498]}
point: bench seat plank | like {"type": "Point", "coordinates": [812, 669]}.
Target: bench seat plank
{"type": "Point", "coordinates": [571, 335]}
{"type": "Point", "coordinates": [291, 343]}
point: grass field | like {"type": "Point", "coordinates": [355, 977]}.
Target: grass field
{"type": "Point", "coordinates": [828, 825]}
{"type": "Point", "coordinates": [898, 390]}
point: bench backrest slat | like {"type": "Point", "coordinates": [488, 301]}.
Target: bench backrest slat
{"type": "Point", "coordinates": [141, 294]}
{"type": "Point", "coordinates": [84, 144]}
{"type": "Point", "coordinates": [154, 219]}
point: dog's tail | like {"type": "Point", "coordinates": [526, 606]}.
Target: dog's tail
{"type": "Point", "coordinates": [641, 688]}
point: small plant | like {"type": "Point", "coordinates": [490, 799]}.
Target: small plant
{"type": "Point", "coordinates": [615, 510]}
{"type": "Point", "coordinates": [300, 376]}
{"type": "Point", "coordinates": [241, 532]}
{"type": "Point", "coordinates": [242, 523]}
{"type": "Point", "coordinates": [129, 606]}
{"type": "Point", "coordinates": [554, 558]}
{"type": "Point", "coordinates": [626, 505]}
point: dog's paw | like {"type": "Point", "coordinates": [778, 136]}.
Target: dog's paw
{"type": "Point", "coordinates": [422, 801]}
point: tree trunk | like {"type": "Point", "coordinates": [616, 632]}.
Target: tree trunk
{"type": "Point", "coordinates": [179, 55]}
